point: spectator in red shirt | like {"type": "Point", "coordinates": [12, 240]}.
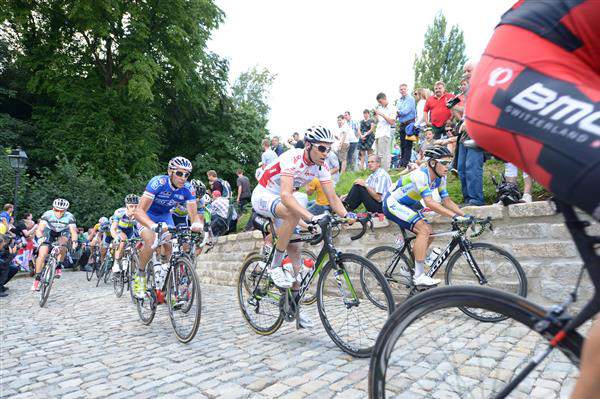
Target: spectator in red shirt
{"type": "Point", "coordinates": [440, 114]}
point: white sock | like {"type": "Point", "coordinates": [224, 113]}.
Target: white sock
{"type": "Point", "coordinates": [419, 268]}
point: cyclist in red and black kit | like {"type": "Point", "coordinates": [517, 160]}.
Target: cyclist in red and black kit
{"type": "Point", "coordinates": [534, 100]}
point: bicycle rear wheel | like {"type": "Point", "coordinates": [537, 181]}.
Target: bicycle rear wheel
{"type": "Point", "coordinates": [429, 348]}
{"type": "Point", "coordinates": [396, 268]}
{"type": "Point", "coordinates": [184, 299]}
{"type": "Point", "coordinates": [46, 280]}
{"type": "Point", "coordinates": [351, 318]}
{"type": "Point", "coordinates": [89, 273]}
{"type": "Point", "coordinates": [146, 306]}
{"type": "Point", "coordinates": [119, 283]}
{"type": "Point", "coordinates": [258, 297]}
{"type": "Point", "coordinates": [499, 269]}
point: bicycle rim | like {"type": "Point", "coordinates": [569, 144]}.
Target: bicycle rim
{"type": "Point", "coordinates": [396, 268]}
{"type": "Point", "coordinates": [119, 284]}
{"type": "Point", "coordinates": [90, 273]}
{"type": "Point", "coordinates": [350, 317]}
{"type": "Point", "coordinates": [499, 268]}
{"type": "Point", "coordinates": [146, 306]}
{"type": "Point", "coordinates": [430, 349]}
{"type": "Point", "coordinates": [184, 299]}
{"type": "Point", "coordinates": [260, 310]}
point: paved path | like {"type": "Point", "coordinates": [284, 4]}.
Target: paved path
{"type": "Point", "coordinates": [86, 343]}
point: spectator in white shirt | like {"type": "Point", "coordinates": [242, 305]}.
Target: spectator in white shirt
{"type": "Point", "coordinates": [386, 121]}
{"type": "Point", "coordinates": [268, 154]}
{"type": "Point", "coordinates": [371, 192]}
{"type": "Point", "coordinates": [352, 141]}
{"type": "Point", "coordinates": [344, 133]}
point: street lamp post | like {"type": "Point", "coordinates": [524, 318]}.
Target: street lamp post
{"type": "Point", "coordinates": [18, 161]}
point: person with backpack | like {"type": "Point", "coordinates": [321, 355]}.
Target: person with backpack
{"type": "Point", "coordinates": [218, 184]}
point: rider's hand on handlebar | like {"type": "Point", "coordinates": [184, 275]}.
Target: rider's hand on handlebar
{"type": "Point", "coordinates": [351, 216]}
{"type": "Point", "coordinates": [462, 219]}
{"type": "Point", "coordinates": [316, 218]}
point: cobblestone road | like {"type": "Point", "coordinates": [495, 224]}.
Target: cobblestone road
{"type": "Point", "coordinates": [86, 343]}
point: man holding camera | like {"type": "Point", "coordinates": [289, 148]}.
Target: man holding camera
{"type": "Point", "coordinates": [8, 249]}
{"type": "Point", "coordinates": [437, 111]}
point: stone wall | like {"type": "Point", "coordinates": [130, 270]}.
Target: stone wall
{"type": "Point", "coordinates": [532, 233]}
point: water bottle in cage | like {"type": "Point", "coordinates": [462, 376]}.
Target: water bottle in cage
{"type": "Point", "coordinates": [307, 266]}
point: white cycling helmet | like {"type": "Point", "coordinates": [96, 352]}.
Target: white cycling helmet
{"type": "Point", "coordinates": [180, 163]}
{"type": "Point", "coordinates": [103, 220]}
{"type": "Point", "coordinates": [60, 204]}
{"type": "Point", "coordinates": [318, 134]}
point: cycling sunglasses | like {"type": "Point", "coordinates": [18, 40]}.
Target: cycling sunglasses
{"type": "Point", "coordinates": [182, 174]}
{"type": "Point", "coordinates": [323, 149]}
{"type": "Point", "coordinates": [445, 163]}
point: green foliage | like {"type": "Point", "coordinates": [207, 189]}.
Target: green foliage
{"type": "Point", "coordinates": [442, 57]}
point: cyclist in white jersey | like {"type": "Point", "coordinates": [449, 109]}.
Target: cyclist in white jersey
{"type": "Point", "coordinates": [408, 191]}
{"type": "Point", "coordinates": [273, 198]}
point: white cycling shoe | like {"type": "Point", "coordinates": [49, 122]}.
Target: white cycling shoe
{"type": "Point", "coordinates": [279, 277]}
{"type": "Point", "coordinates": [425, 280]}
{"type": "Point", "coordinates": [303, 320]}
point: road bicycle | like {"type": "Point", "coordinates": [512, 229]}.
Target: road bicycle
{"type": "Point", "coordinates": [427, 348]}
{"type": "Point", "coordinates": [105, 270]}
{"type": "Point", "coordinates": [125, 276]}
{"type": "Point", "coordinates": [49, 271]}
{"type": "Point", "coordinates": [93, 266]}
{"type": "Point", "coordinates": [469, 263]}
{"type": "Point", "coordinates": [350, 318]}
{"type": "Point", "coordinates": [180, 289]}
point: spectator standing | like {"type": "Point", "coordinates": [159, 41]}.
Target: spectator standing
{"type": "Point", "coordinates": [406, 113]}
{"type": "Point", "coordinates": [7, 270]}
{"type": "Point", "coordinates": [352, 141]}
{"type": "Point", "coordinates": [421, 98]}
{"type": "Point", "coordinates": [320, 204]}
{"type": "Point", "coordinates": [244, 192]}
{"type": "Point", "coordinates": [213, 180]}
{"type": "Point", "coordinates": [294, 141]}
{"type": "Point", "coordinates": [6, 218]}
{"type": "Point", "coordinates": [333, 163]}
{"type": "Point", "coordinates": [371, 192]}
{"type": "Point", "coordinates": [276, 146]}
{"type": "Point", "coordinates": [386, 118]}
{"type": "Point", "coordinates": [344, 132]}
{"type": "Point", "coordinates": [367, 137]}
{"type": "Point", "coordinates": [268, 154]}
{"type": "Point", "coordinates": [511, 173]}
{"type": "Point", "coordinates": [470, 160]}
{"type": "Point", "coordinates": [436, 112]}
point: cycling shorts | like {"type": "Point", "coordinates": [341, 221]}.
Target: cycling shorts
{"type": "Point", "coordinates": [537, 106]}
{"type": "Point", "coordinates": [108, 238]}
{"type": "Point", "coordinates": [264, 202]}
{"type": "Point", "coordinates": [180, 221]}
{"type": "Point", "coordinates": [402, 215]}
{"type": "Point", "coordinates": [51, 235]}
{"type": "Point", "coordinates": [128, 231]}
{"type": "Point", "coordinates": [162, 218]}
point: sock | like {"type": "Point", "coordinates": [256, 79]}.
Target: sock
{"type": "Point", "coordinates": [59, 265]}
{"type": "Point", "coordinates": [38, 276]}
{"type": "Point", "coordinates": [419, 268]}
{"type": "Point", "coordinates": [277, 258]}
{"type": "Point", "coordinates": [295, 292]}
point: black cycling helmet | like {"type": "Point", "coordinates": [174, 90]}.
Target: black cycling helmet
{"type": "Point", "coordinates": [437, 152]}
{"type": "Point", "coordinates": [199, 187]}
{"type": "Point", "coordinates": [132, 199]}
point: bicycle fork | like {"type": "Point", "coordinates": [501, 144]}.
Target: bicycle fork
{"type": "Point", "coordinates": [341, 277]}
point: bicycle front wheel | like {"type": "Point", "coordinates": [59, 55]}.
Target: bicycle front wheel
{"type": "Point", "coordinates": [132, 268]}
{"type": "Point", "coordinates": [351, 317]}
{"type": "Point", "coordinates": [498, 268]}
{"type": "Point", "coordinates": [146, 306]}
{"type": "Point", "coordinates": [258, 297]}
{"type": "Point", "coordinates": [90, 271]}
{"type": "Point", "coordinates": [397, 269]}
{"type": "Point", "coordinates": [429, 348]}
{"type": "Point", "coordinates": [46, 280]}
{"type": "Point", "coordinates": [119, 283]}
{"type": "Point", "coordinates": [184, 299]}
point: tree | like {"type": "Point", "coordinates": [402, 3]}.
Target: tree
{"type": "Point", "coordinates": [442, 57]}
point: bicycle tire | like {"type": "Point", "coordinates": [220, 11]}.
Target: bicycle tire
{"type": "Point", "coordinates": [91, 271]}
{"type": "Point", "coordinates": [400, 283]}
{"type": "Point", "coordinates": [249, 277]}
{"type": "Point", "coordinates": [191, 297]}
{"type": "Point", "coordinates": [498, 263]}
{"type": "Point", "coordinates": [101, 271]}
{"type": "Point", "coordinates": [146, 306]}
{"type": "Point", "coordinates": [46, 281]}
{"type": "Point", "coordinates": [132, 268]}
{"type": "Point", "coordinates": [328, 294]}
{"type": "Point", "coordinates": [310, 296]}
{"type": "Point", "coordinates": [108, 271]}
{"type": "Point", "coordinates": [418, 315]}
{"type": "Point", "coordinates": [119, 283]}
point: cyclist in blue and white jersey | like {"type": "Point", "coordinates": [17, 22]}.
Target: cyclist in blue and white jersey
{"type": "Point", "coordinates": [56, 224]}
{"type": "Point", "coordinates": [162, 194]}
{"type": "Point", "coordinates": [123, 227]}
{"type": "Point", "coordinates": [409, 190]}
{"type": "Point", "coordinates": [180, 212]}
